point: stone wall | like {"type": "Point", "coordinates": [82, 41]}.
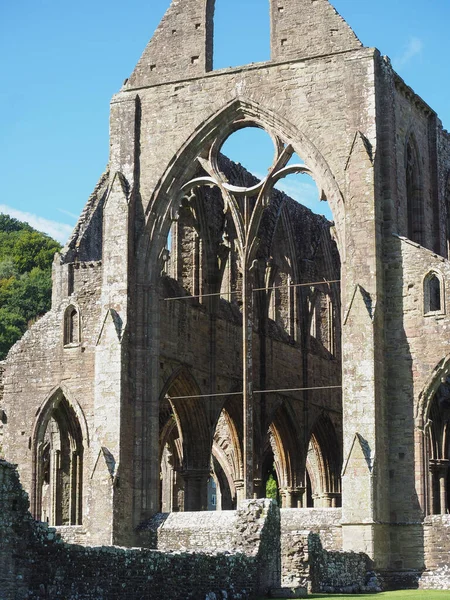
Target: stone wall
{"type": "Point", "coordinates": [197, 531]}
{"type": "Point", "coordinates": [342, 572]}
{"type": "Point", "coordinates": [436, 545]}
{"type": "Point", "coordinates": [311, 556]}
{"type": "Point", "coordinates": [347, 114]}
{"type": "Point", "coordinates": [296, 527]}
{"type": "Point", "coordinates": [36, 563]}
{"type": "Point", "coordinates": [2, 413]}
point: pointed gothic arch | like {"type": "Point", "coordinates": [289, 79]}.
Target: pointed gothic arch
{"type": "Point", "coordinates": [238, 113]}
{"type": "Point", "coordinates": [72, 326]}
{"type": "Point", "coordinates": [282, 447]}
{"type": "Point", "coordinates": [437, 450]}
{"type": "Point", "coordinates": [324, 463]}
{"type": "Point", "coordinates": [433, 293]}
{"type": "Point", "coordinates": [59, 440]}
{"type": "Point", "coordinates": [188, 435]}
{"type": "Point", "coordinates": [203, 145]}
{"type": "Point", "coordinates": [432, 434]}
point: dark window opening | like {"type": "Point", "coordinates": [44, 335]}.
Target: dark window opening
{"type": "Point", "coordinates": [414, 195]}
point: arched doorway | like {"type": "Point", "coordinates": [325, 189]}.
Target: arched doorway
{"type": "Point", "coordinates": [58, 464]}
{"type": "Point", "coordinates": [184, 295]}
{"type": "Point", "coordinates": [323, 465]}
{"type": "Point", "coordinates": [438, 449]}
{"type": "Point", "coordinates": [184, 445]}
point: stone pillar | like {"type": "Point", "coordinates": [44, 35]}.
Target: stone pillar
{"type": "Point", "coordinates": [443, 474]}
{"type": "Point", "coordinates": [291, 497]}
{"type": "Point", "coordinates": [365, 475]}
{"type": "Point", "coordinates": [195, 489]}
{"type": "Point", "coordinates": [438, 475]}
{"type": "Point", "coordinates": [328, 499]}
{"type": "Point", "coordinates": [286, 496]}
{"type": "Point", "coordinates": [443, 491]}
{"type": "Point", "coordinates": [239, 486]}
{"type": "Point", "coordinates": [298, 497]}
{"type": "Point", "coordinates": [258, 491]}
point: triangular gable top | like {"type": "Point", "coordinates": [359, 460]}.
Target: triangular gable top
{"type": "Point", "coordinates": [182, 46]}
{"type": "Point", "coordinates": [308, 28]}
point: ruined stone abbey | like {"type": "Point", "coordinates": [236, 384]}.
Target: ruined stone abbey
{"type": "Point", "coordinates": [211, 338]}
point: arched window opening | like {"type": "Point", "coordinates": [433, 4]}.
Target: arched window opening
{"type": "Point", "coordinates": [212, 493]}
{"type": "Point", "coordinates": [240, 219]}
{"type": "Point", "coordinates": [414, 195]}
{"type": "Point", "coordinates": [185, 445]}
{"type": "Point", "coordinates": [241, 33]}
{"type": "Point", "coordinates": [438, 450]}
{"type": "Point", "coordinates": [221, 490]}
{"type": "Point", "coordinates": [171, 479]}
{"type": "Point", "coordinates": [227, 462]}
{"type": "Point", "coordinates": [246, 156]}
{"type": "Point", "coordinates": [59, 467]}
{"type": "Point", "coordinates": [281, 293]}
{"type": "Point", "coordinates": [170, 253]}
{"type": "Point", "coordinates": [433, 294]}
{"type": "Point", "coordinates": [197, 248]}
{"type": "Point", "coordinates": [323, 466]}
{"type": "Point", "coordinates": [270, 480]}
{"type": "Point", "coordinates": [71, 326]}
{"type": "Point", "coordinates": [302, 188]}
{"type": "Point", "coordinates": [322, 326]}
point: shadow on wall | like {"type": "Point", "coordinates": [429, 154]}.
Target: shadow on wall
{"type": "Point", "coordinates": [35, 564]}
{"type": "Point", "coordinates": [405, 510]}
{"type": "Point", "coordinates": [340, 572]}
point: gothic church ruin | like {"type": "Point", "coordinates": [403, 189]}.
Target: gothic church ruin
{"type": "Point", "coordinates": [211, 338]}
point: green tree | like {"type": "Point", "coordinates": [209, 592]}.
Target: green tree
{"type": "Point", "coordinates": [8, 269]}
{"type": "Point", "coordinates": [26, 258]}
{"type": "Point", "coordinates": [12, 327]}
{"type": "Point", "coordinates": [9, 224]}
{"type": "Point", "coordinates": [272, 488]}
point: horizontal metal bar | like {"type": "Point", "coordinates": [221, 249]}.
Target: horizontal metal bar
{"type": "Point", "coordinates": [275, 287]}
{"type": "Point", "coordinates": [281, 390]}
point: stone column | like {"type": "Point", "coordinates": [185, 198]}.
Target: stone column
{"type": "Point", "coordinates": [258, 491]}
{"type": "Point", "coordinates": [239, 486]}
{"type": "Point", "coordinates": [195, 489]}
{"type": "Point", "coordinates": [443, 474]}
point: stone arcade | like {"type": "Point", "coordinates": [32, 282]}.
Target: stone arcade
{"type": "Point", "coordinates": [208, 333]}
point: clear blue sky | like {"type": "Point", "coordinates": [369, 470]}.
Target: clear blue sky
{"type": "Point", "coordinates": [62, 62]}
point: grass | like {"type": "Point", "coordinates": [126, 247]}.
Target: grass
{"type": "Point", "coordinates": [399, 595]}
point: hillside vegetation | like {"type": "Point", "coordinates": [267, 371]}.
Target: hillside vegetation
{"type": "Point", "coordinates": [26, 257]}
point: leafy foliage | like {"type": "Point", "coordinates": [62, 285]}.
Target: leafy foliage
{"type": "Point", "coordinates": [26, 257]}
{"type": "Point", "coordinates": [272, 488]}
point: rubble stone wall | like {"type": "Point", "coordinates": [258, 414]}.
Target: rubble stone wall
{"type": "Point", "coordinates": [35, 563]}
{"type": "Point", "coordinates": [311, 541]}
{"type": "Point", "coordinates": [436, 544]}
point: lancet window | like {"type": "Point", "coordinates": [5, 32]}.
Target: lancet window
{"type": "Point", "coordinates": [414, 194]}
{"type": "Point", "coordinates": [59, 466]}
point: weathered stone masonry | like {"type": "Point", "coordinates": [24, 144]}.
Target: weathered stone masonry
{"type": "Point", "coordinates": [35, 563]}
{"type": "Point", "coordinates": [195, 340]}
